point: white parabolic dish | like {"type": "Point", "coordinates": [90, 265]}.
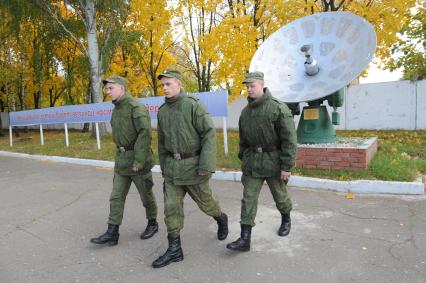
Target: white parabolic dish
{"type": "Point", "coordinates": [342, 43]}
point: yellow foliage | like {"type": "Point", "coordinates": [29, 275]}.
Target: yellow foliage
{"type": "Point", "coordinates": [151, 55]}
{"type": "Point", "coordinates": [387, 16]}
{"type": "Point", "coordinates": [235, 43]}
{"type": "Point", "coordinates": [224, 37]}
{"type": "Point", "coordinates": [128, 68]}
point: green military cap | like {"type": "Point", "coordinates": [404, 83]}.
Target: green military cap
{"type": "Point", "coordinates": [116, 80]}
{"type": "Point", "coordinates": [169, 73]}
{"type": "Point", "coordinates": [253, 76]}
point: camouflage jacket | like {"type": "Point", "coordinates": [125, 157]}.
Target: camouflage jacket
{"type": "Point", "coordinates": [267, 123]}
{"type": "Point", "coordinates": [131, 133]}
{"type": "Point", "coordinates": [185, 127]}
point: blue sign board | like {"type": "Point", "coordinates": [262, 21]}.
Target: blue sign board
{"type": "Point", "coordinates": [216, 103]}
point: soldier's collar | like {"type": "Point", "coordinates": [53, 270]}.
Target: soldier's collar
{"type": "Point", "coordinates": [122, 99]}
{"type": "Point", "coordinates": [258, 101]}
{"type": "Point", "coordinates": [175, 98]}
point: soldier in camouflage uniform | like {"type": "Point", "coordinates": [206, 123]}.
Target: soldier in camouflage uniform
{"type": "Point", "coordinates": [268, 151]}
{"type": "Point", "coordinates": [131, 132]}
{"type": "Point", "coordinates": [187, 150]}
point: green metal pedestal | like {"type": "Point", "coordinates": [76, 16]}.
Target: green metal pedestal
{"type": "Point", "coordinates": [315, 126]}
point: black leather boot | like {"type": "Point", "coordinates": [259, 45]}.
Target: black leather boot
{"type": "Point", "coordinates": [222, 229]}
{"type": "Point", "coordinates": [150, 229]}
{"type": "Point", "coordinates": [174, 253]}
{"type": "Point", "coordinates": [110, 236]}
{"type": "Point", "coordinates": [243, 243]}
{"type": "Point", "coordinates": [285, 225]}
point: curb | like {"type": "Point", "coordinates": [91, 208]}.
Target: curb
{"type": "Point", "coordinates": [357, 186]}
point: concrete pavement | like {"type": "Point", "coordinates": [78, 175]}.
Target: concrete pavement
{"type": "Point", "coordinates": [49, 211]}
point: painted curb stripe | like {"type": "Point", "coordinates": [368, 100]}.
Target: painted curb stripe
{"type": "Point", "coordinates": [357, 186]}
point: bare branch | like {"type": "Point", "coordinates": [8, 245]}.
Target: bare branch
{"type": "Point", "coordinates": [76, 10]}
{"type": "Point", "coordinates": [162, 53]}
{"type": "Point", "coordinates": [107, 37]}
{"type": "Point", "coordinates": [188, 57]}
{"type": "Point", "coordinates": [326, 5]}
{"type": "Point", "coordinates": [340, 5]}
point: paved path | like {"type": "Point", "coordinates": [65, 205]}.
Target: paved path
{"type": "Point", "coordinates": [50, 210]}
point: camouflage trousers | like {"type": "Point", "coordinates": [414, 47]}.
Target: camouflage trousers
{"type": "Point", "coordinates": [252, 187]}
{"type": "Point", "coordinates": [173, 204]}
{"type": "Point", "coordinates": [120, 189]}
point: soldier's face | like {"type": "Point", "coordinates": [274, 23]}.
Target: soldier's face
{"type": "Point", "coordinates": [255, 89]}
{"type": "Point", "coordinates": [171, 86]}
{"type": "Point", "coordinates": [114, 91]}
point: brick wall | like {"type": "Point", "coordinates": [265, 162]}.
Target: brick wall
{"type": "Point", "coordinates": [335, 158]}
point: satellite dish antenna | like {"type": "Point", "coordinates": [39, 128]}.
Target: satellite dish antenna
{"type": "Point", "coordinates": [311, 59]}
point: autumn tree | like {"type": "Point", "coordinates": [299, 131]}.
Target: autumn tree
{"type": "Point", "coordinates": [243, 27]}
{"type": "Point", "coordinates": [151, 50]}
{"type": "Point", "coordinates": [7, 71]}
{"type": "Point", "coordinates": [102, 21]}
{"type": "Point", "coordinates": [75, 69]}
{"type": "Point", "coordinates": [220, 54]}
{"type": "Point", "coordinates": [32, 48]}
{"type": "Point", "coordinates": [5, 59]}
{"type": "Point", "coordinates": [410, 51]}
{"type": "Point", "coordinates": [197, 18]}
{"type": "Point", "coordinates": [17, 15]}
{"type": "Point", "coordinates": [42, 62]}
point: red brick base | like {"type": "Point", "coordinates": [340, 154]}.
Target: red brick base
{"type": "Point", "coordinates": [355, 157]}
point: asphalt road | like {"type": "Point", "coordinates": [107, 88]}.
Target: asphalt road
{"type": "Point", "coordinates": [49, 211]}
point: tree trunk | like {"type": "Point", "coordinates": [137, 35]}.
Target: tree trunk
{"type": "Point", "coordinates": [151, 66]}
{"type": "Point", "coordinates": [22, 93]}
{"type": "Point", "coordinates": [86, 126]}
{"type": "Point", "coordinates": [21, 75]}
{"type": "Point", "coordinates": [94, 56]}
{"type": "Point", "coordinates": [37, 99]}
{"type": "Point", "coordinates": [13, 105]}
{"type": "Point", "coordinates": [93, 52]}
{"type": "Point", "coordinates": [1, 110]}
{"type": "Point", "coordinates": [51, 103]}
{"type": "Point", "coordinates": [1, 127]}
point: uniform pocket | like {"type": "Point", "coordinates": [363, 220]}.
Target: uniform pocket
{"type": "Point", "coordinates": [188, 168]}
{"type": "Point", "coordinates": [125, 159]}
{"type": "Point", "coordinates": [269, 164]}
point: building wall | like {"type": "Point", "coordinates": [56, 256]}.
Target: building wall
{"type": "Point", "coordinates": [421, 105]}
{"type": "Point", "coordinates": [376, 106]}
{"type": "Point", "coordinates": [381, 106]}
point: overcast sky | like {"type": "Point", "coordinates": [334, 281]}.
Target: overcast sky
{"type": "Point", "coordinates": [376, 75]}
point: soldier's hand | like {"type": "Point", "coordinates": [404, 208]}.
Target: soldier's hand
{"type": "Point", "coordinates": [285, 176]}
{"type": "Point", "coordinates": [202, 173]}
{"type": "Point", "coordinates": [135, 168]}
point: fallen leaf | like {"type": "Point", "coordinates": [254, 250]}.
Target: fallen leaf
{"type": "Point", "coordinates": [349, 195]}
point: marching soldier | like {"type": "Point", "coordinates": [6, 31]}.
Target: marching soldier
{"type": "Point", "coordinates": [267, 150]}
{"type": "Point", "coordinates": [187, 150]}
{"type": "Point", "coordinates": [131, 132]}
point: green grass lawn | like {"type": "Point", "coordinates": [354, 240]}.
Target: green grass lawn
{"type": "Point", "coordinates": [401, 155]}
